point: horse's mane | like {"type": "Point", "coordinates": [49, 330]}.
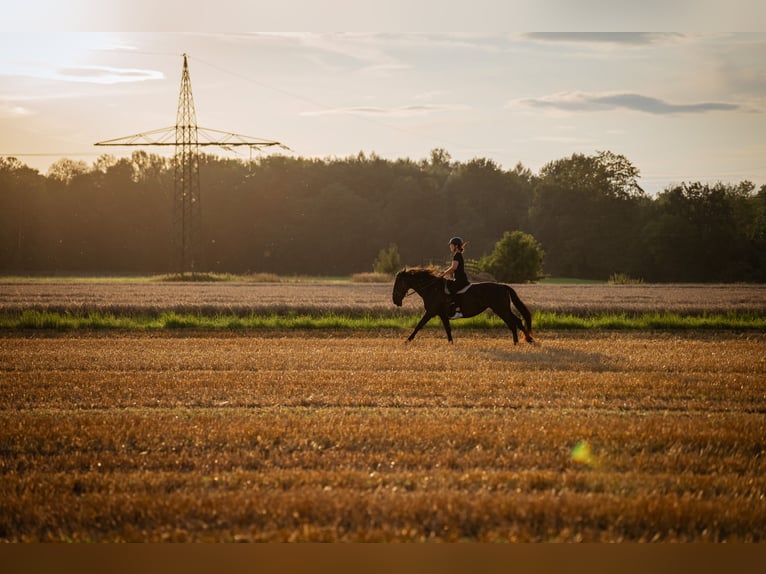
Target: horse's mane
{"type": "Point", "coordinates": [422, 271]}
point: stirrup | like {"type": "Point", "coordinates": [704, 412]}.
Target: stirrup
{"type": "Point", "coordinates": [457, 315]}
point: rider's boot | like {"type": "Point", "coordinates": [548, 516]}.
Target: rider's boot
{"type": "Point", "coordinates": [453, 309]}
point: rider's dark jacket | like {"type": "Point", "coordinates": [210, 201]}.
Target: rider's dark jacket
{"type": "Point", "coordinates": [461, 279]}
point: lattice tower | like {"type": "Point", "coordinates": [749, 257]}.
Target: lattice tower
{"type": "Point", "coordinates": [187, 210]}
{"type": "Point", "coordinates": [187, 213]}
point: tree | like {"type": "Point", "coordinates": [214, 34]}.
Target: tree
{"type": "Point", "coordinates": [587, 212]}
{"type": "Point", "coordinates": [19, 187]}
{"type": "Point", "coordinates": [621, 175]}
{"type": "Point", "coordinates": [65, 169]}
{"type": "Point", "coordinates": [703, 232]}
{"type": "Point", "coordinates": [388, 260]}
{"type": "Point", "coordinates": [291, 215]}
{"type": "Point", "coordinates": [517, 258]}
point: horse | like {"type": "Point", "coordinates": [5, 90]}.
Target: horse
{"type": "Point", "coordinates": [477, 298]}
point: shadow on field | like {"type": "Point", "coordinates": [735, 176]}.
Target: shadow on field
{"type": "Point", "coordinates": [547, 357]}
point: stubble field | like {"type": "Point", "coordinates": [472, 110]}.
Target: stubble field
{"type": "Point", "coordinates": [241, 298]}
{"type": "Point", "coordinates": [343, 435]}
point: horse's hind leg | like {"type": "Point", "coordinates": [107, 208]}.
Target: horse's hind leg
{"type": "Point", "coordinates": [513, 323]}
{"type": "Point", "coordinates": [527, 335]}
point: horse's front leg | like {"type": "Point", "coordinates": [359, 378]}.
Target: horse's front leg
{"type": "Point", "coordinates": [425, 319]}
{"type": "Point", "coordinates": [447, 326]}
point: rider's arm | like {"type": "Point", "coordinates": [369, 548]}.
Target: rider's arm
{"type": "Point", "coordinates": [451, 269]}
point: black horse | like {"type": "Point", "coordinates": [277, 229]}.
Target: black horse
{"type": "Point", "coordinates": [476, 299]}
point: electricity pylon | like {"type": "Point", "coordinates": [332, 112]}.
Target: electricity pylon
{"type": "Point", "coordinates": [187, 210]}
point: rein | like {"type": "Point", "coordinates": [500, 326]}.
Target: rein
{"type": "Point", "coordinates": [422, 285]}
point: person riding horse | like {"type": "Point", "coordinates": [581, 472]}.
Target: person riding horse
{"type": "Point", "coordinates": [457, 273]}
{"type": "Point", "coordinates": [430, 285]}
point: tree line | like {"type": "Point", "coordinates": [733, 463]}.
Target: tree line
{"type": "Point", "coordinates": [295, 215]}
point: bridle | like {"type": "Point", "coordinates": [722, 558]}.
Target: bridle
{"type": "Point", "coordinates": [408, 292]}
{"type": "Point", "coordinates": [423, 285]}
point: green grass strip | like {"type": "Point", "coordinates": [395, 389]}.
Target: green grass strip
{"type": "Point", "coordinates": [46, 320]}
{"type": "Point", "coordinates": [650, 321]}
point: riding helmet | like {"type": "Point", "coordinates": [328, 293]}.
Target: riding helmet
{"type": "Point", "coordinates": [456, 241]}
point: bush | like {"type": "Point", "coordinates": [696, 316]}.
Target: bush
{"type": "Point", "coordinates": [517, 258]}
{"type": "Point", "coordinates": [624, 279]}
{"type": "Point", "coordinates": [388, 261]}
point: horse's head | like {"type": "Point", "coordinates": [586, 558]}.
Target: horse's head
{"type": "Point", "coordinates": [401, 286]}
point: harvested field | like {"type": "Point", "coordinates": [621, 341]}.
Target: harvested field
{"type": "Point", "coordinates": [354, 436]}
{"type": "Point", "coordinates": [354, 299]}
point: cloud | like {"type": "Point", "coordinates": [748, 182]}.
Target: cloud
{"type": "Point", "coordinates": [428, 95]}
{"type": "Point", "coordinates": [371, 49]}
{"type": "Point", "coordinates": [9, 110]}
{"type": "Point", "coordinates": [623, 38]}
{"type": "Point", "coordinates": [402, 111]}
{"type": "Point", "coordinates": [81, 74]}
{"type": "Point", "coordinates": [106, 75]}
{"type": "Point", "coordinates": [589, 102]}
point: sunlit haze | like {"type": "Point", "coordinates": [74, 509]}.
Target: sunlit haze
{"type": "Point", "coordinates": [679, 106]}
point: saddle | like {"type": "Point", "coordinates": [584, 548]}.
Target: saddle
{"type": "Point", "coordinates": [463, 290]}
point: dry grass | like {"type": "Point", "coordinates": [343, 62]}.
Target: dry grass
{"type": "Point", "coordinates": [362, 298]}
{"type": "Point", "coordinates": [372, 278]}
{"type": "Point", "coordinates": [351, 436]}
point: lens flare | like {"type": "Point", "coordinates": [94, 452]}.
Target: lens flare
{"type": "Point", "coordinates": [581, 453]}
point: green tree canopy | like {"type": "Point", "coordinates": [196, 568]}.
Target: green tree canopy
{"type": "Point", "coordinates": [587, 212]}
{"type": "Point", "coordinates": [296, 215]}
{"type": "Point", "coordinates": [517, 258]}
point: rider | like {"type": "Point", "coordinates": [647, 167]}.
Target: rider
{"type": "Point", "coordinates": [457, 272]}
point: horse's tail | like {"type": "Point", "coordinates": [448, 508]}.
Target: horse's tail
{"type": "Point", "coordinates": [519, 304]}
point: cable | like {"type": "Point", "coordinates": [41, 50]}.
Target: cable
{"type": "Point", "coordinates": [316, 103]}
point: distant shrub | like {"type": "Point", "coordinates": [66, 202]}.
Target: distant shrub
{"type": "Point", "coordinates": [388, 260]}
{"type": "Point", "coordinates": [516, 258]}
{"type": "Point", "coordinates": [371, 277]}
{"type": "Point", "coordinates": [263, 278]}
{"type": "Point", "coordinates": [624, 279]}
{"type": "Point", "coordinates": [196, 277]}
{"type": "Point", "coordinates": [219, 277]}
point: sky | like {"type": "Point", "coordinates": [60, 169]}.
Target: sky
{"type": "Point", "coordinates": [681, 106]}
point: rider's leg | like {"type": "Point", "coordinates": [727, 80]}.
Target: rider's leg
{"type": "Point", "coordinates": [454, 307]}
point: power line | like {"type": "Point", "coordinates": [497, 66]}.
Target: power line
{"type": "Point", "coordinates": [324, 106]}
{"type": "Point", "coordinates": [184, 136]}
